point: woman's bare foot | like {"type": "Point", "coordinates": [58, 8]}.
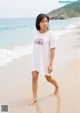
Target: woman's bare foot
{"type": "Point", "coordinates": [32, 101]}
{"type": "Point", "coordinates": [56, 90]}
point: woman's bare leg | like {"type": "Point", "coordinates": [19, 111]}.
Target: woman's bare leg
{"type": "Point", "coordinates": [34, 86]}
{"type": "Point", "coordinates": [51, 80]}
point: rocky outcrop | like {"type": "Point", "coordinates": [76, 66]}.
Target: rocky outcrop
{"type": "Point", "coordinates": [68, 11]}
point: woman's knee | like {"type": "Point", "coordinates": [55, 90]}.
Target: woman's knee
{"type": "Point", "coordinates": [48, 79]}
{"type": "Point", "coordinates": [34, 76]}
{"type": "Point", "coordinates": [34, 79]}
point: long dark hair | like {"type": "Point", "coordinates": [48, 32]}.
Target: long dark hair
{"type": "Point", "coordinates": [39, 19]}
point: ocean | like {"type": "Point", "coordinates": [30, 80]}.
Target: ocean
{"type": "Point", "coordinates": [16, 35]}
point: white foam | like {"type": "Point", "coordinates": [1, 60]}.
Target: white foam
{"type": "Point", "coordinates": [66, 30]}
{"type": "Point", "coordinates": [62, 32]}
{"type": "Point", "coordinates": [7, 55]}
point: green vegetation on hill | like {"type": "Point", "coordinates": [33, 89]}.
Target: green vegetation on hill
{"type": "Point", "coordinates": [68, 11]}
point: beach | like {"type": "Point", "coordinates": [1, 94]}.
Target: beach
{"type": "Point", "coordinates": [16, 78]}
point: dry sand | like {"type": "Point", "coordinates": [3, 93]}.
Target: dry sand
{"type": "Point", "coordinates": [15, 81]}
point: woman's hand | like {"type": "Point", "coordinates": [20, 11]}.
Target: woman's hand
{"type": "Point", "coordinates": [50, 69]}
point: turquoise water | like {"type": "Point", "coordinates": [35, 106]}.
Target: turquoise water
{"type": "Point", "coordinates": [15, 32]}
{"type": "Point", "coordinates": [16, 36]}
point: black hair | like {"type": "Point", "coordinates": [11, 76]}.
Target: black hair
{"type": "Point", "coordinates": [39, 19]}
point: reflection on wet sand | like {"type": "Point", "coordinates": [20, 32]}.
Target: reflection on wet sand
{"type": "Point", "coordinates": [58, 106]}
{"type": "Point", "coordinates": [38, 110]}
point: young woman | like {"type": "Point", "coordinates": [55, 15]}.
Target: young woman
{"type": "Point", "coordinates": [43, 54]}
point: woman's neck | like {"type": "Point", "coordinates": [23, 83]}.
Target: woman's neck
{"type": "Point", "coordinates": [43, 30]}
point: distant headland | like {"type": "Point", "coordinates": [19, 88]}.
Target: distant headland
{"type": "Point", "coordinates": [70, 10]}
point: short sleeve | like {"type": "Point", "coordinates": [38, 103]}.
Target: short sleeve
{"type": "Point", "coordinates": [53, 43]}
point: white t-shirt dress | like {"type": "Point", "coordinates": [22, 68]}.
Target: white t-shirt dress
{"type": "Point", "coordinates": [42, 43]}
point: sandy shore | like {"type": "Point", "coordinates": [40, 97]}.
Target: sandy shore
{"type": "Point", "coordinates": [15, 81]}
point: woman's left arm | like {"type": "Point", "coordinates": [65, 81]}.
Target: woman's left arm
{"type": "Point", "coordinates": [52, 52]}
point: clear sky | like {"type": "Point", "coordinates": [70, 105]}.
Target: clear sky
{"type": "Point", "coordinates": [27, 8]}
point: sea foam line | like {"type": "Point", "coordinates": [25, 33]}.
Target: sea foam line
{"type": "Point", "coordinates": [67, 29]}
{"type": "Point", "coordinates": [7, 55]}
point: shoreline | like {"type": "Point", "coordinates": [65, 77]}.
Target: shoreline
{"type": "Point", "coordinates": [8, 55]}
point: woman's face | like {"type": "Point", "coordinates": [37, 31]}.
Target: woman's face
{"type": "Point", "coordinates": [44, 24]}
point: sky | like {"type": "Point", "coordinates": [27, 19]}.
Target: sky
{"type": "Point", "coordinates": [27, 8]}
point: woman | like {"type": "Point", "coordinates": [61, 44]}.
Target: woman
{"type": "Point", "coordinates": [43, 54]}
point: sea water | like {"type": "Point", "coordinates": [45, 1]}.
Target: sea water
{"type": "Point", "coordinates": [16, 35]}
